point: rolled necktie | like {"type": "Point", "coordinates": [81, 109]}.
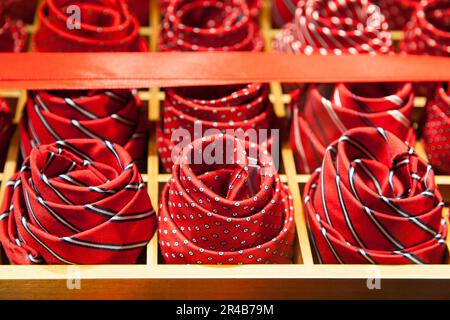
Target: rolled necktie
{"type": "Point", "coordinates": [335, 27]}
{"type": "Point", "coordinates": [323, 113]}
{"type": "Point", "coordinates": [113, 115]}
{"type": "Point", "coordinates": [397, 12]}
{"type": "Point", "coordinates": [5, 126]}
{"type": "Point", "coordinates": [140, 9]}
{"type": "Point", "coordinates": [13, 37]}
{"type": "Point", "coordinates": [209, 26]}
{"type": "Point", "coordinates": [374, 201]}
{"type": "Point", "coordinates": [78, 201]}
{"type": "Point", "coordinates": [105, 25]}
{"type": "Point", "coordinates": [232, 211]}
{"type": "Point", "coordinates": [283, 11]}
{"type": "Point", "coordinates": [20, 9]}
{"type": "Point", "coordinates": [198, 110]}
{"type": "Point", "coordinates": [436, 129]}
{"type": "Point", "coordinates": [253, 5]}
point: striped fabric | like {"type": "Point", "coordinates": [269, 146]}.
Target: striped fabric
{"type": "Point", "coordinates": [5, 127]}
{"type": "Point", "coordinates": [113, 115]}
{"type": "Point", "coordinates": [226, 212]}
{"type": "Point", "coordinates": [214, 108]}
{"type": "Point", "coordinates": [374, 201]}
{"type": "Point", "coordinates": [397, 12]}
{"type": "Point", "coordinates": [78, 201]}
{"type": "Point", "coordinates": [209, 26]}
{"type": "Point", "coordinates": [335, 27]}
{"type": "Point", "coordinates": [13, 37]}
{"type": "Point", "coordinates": [322, 113]}
{"type": "Point", "coordinates": [436, 129]}
{"type": "Point", "coordinates": [109, 27]}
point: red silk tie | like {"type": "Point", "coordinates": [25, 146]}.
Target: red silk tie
{"type": "Point", "coordinates": [113, 115]}
{"type": "Point", "coordinates": [5, 126]}
{"type": "Point", "coordinates": [283, 11]}
{"type": "Point", "coordinates": [335, 27]}
{"type": "Point", "coordinates": [323, 113]}
{"type": "Point", "coordinates": [253, 5]}
{"type": "Point", "coordinates": [217, 108]}
{"type": "Point", "coordinates": [209, 26]}
{"type": "Point", "coordinates": [232, 213]}
{"type": "Point", "coordinates": [78, 201]}
{"type": "Point", "coordinates": [20, 9]}
{"type": "Point", "coordinates": [106, 25]}
{"type": "Point", "coordinates": [397, 12]}
{"type": "Point", "coordinates": [140, 9]}
{"type": "Point", "coordinates": [375, 201]}
{"type": "Point", "coordinates": [13, 37]}
{"type": "Point", "coordinates": [436, 129]}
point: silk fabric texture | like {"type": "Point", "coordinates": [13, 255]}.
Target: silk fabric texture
{"type": "Point", "coordinates": [436, 129]}
{"type": "Point", "coordinates": [335, 27]}
{"type": "Point", "coordinates": [321, 113]}
{"type": "Point", "coordinates": [20, 9]}
{"type": "Point", "coordinates": [5, 126]}
{"type": "Point", "coordinates": [78, 201]}
{"type": "Point", "coordinates": [240, 108]}
{"type": "Point", "coordinates": [113, 115]}
{"type": "Point", "coordinates": [238, 212]}
{"type": "Point", "coordinates": [374, 201]}
{"type": "Point", "coordinates": [105, 25]}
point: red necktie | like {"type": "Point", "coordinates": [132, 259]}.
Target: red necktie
{"type": "Point", "coordinates": [209, 26]}
{"type": "Point", "coordinates": [335, 27]}
{"type": "Point", "coordinates": [397, 12]}
{"type": "Point", "coordinates": [253, 5]}
{"type": "Point", "coordinates": [375, 201]}
{"type": "Point", "coordinates": [78, 201]}
{"type": "Point", "coordinates": [283, 11]}
{"type": "Point", "coordinates": [106, 25]}
{"type": "Point", "coordinates": [232, 213]}
{"type": "Point", "coordinates": [5, 125]}
{"type": "Point", "coordinates": [323, 113]}
{"type": "Point", "coordinates": [20, 9]}
{"type": "Point", "coordinates": [140, 9]}
{"type": "Point", "coordinates": [113, 115]}
{"type": "Point", "coordinates": [13, 37]}
{"type": "Point", "coordinates": [225, 107]}
{"type": "Point", "coordinates": [436, 129]}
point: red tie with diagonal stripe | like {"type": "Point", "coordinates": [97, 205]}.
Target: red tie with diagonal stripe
{"type": "Point", "coordinates": [375, 201]}
{"type": "Point", "coordinates": [113, 115]}
{"type": "Point", "coordinates": [78, 201]}
{"type": "Point", "coordinates": [323, 112]}
{"type": "Point", "coordinates": [227, 212]}
{"type": "Point", "coordinates": [436, 129]}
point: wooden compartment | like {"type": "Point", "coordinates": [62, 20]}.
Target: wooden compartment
{"type": "Point", "coordinates": [304, 279]}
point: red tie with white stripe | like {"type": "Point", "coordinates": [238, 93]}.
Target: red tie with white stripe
{"type": "Point", "coordinates": [227, 212]}
{"type": "Point", "coordinates": [78, 201]}
{"type": "Point", "coordinates": [375, 201]}
{"type": "Point", "coordinates": [436, 129]}
{"type": "Point", "coordinates": [113, 115]}
{"type": "Point", "coordinates": [323, 112]}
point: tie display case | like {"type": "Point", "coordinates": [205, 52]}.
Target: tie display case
{"type": "Point", "coordinates": [305, 278]}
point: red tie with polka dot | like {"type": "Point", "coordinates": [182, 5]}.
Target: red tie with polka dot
{"type": "Point", "coordinates": [140, 9]}
{"type": "Point", "coordinates": [335, 27]}
{"type": "Point", "coordinates": [201, 109]}
{"type": "Point", "coordinates": [233, 211]}
{"type": "Point", "coordinates": [12, 35]}
{"type": "Point", "coordinates": [397, 12]}
{"type": "Point", "coordinates": [322, 113]}
{"type": "Point", "coordinates": [436, 129]}
{"type": "Point", "coordinates": [76, 202]}
{"type": "Point", "coordinates": [374, 201]}
{"type": "Point", "coordinates": [114, 115]}
{"type": "Point", "coordinates": [105, 25]}
{"type": "Point", "coordinates": [5, 126]}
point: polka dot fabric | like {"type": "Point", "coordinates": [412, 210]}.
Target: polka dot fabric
{"type": "Point", "coordinates": [234, 213]}
{"type": "Point", "coordinates": [13, 37]}
{"type": "Point", "coordinates": [106, 25]}
{"type": "Point", "coordinates": [220, 108]}
{"type": "Point", "coordinates": [78, 201]}
{"type": "Point", "coordinates": [323, 112]}
{"type": "Point", "coordinates": [374, 201]}
{"type": "Point", "coordinates": [209, 26]}
{"type": "Point", "coordinates": [5, 125]}
{"type": "Point", "coordinates": [397, 12]}
{"type": "Point", "coordinates": [113, 115]}
{"type": "Point", "coordinates": [335, 27]}
{"type": "Point", "coordinates": [436, 129]}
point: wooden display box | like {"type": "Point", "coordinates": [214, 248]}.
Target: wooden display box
{"type": "Point", "coordinates": [154, 280]}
